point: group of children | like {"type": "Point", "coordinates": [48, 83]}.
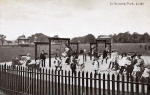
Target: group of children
{"type": "Point", "coordinates": [69, 57]}
{"type": "Point", "coordinates": [131, 64]}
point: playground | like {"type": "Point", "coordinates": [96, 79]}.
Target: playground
{"type": "Point", "coordinates": [26, 75]}
{"type": "Point", "coordinates": [56, 47]}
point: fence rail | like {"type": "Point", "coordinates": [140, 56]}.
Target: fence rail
{"type": "Point", "coordinates": [24, 81]}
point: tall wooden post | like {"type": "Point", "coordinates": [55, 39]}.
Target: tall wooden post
{"type": "Point", "coordinates": [90, 52]}
{"type": "Point", "coordinates": [77, 48]}
{"type": "Point", "coordinates": [97, 46]}
{"type": "Point", "coordinates": [49, 52]}
{"type": "Point", "coordinates": [35, 56]}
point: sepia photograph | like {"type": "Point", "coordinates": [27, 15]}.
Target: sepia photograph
{"type": "Point", "coordinates": [74, 47]}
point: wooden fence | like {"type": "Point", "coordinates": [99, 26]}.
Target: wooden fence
{"type": "Point", "coordinates": [24, 81]}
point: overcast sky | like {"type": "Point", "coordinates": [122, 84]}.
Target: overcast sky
{"type": "Point", "coordinates": [72, 18]}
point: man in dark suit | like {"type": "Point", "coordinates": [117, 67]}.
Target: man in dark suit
{"type": "Point", "coordinates": [43, 58]}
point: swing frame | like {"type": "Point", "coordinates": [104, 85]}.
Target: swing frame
{"type": "Point", "coordinates": [50, 44]}
{"type": "Point", "coordinates": [106, 41]}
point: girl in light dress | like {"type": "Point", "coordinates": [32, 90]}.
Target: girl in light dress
{"type": "Point", "coordinates": [58, 62]}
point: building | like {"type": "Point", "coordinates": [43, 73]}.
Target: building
{"type": "Point", "coordinates": [23, 41]}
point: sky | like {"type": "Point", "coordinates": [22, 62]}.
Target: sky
{"type": "Point", "coordinates": [72, 18]}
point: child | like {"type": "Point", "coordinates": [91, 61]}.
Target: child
{"type": "Point", "coordinates": [28, 59]}
{"type": "Point", "coordinates": [146, 74]}
{"type": "Point", "coordinates": [136, 70]}
{"type": "Point", "coordinates": [95, 64]}
{"type": "Point", "coordinates": [58, 62]}
{"type": "Point", "coordinates": [73, 65]}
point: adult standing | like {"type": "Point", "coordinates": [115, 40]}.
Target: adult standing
{"type": "Point", "coordinates": [104, 56]}
{"type": "Point", "coordinates": [43, 58]}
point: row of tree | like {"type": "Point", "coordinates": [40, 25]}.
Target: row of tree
{"type": "Point", "coordinates": [131, 38]}
{"type": "Point", "coordinates": [126, 37]}
{"type": "Point", "coordinates": [117, 38]}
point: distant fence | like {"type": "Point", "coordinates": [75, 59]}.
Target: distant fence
{"type": "Point", "coordinates": [22, 81]}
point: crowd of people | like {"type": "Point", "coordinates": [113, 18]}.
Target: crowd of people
{"type": "Point", "coordinates": [132, 64]}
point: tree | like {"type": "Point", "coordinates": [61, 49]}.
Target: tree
{"type": "Point", "coordinates": [89, 38]}
{"type": "Point", "coordinates": [145, 38]}
{"type": "Point", "coordinates": [39, 37]}
{"type": "Point", "coordinates": [135, 38]}
{"type": "Point", "coordinates": [84, 39]}
{"type": "Point", "coordinates": [2, 38]}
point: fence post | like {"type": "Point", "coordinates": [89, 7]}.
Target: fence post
{"type": "Point", "coordinates": [91, 84]}
{"type": "Point", "coordinates": [148, 85]}
{"type": "Point", "coordinates": [87, 86]}
{"type": "Point", "coordinates": [33, 81]}
{"type": "Point", "coordinates": [49, 74]}
{"type": "Point", "coordinates": [35, 84]}
{"type": "Point", "coordinates": [21, 77]}
{"type": "Point", "coordinates": [59, 82]}
{"type": "Point", "coordinates": [62, 82]}
{"type": "Point", "coordinates": [99, 75]}
{"type": "Point", "coordinates": [108, 83]}
{"type": "Point", "coordinates": [37, 81]}
{"type": "Point", "coordinates": [132, 85]}
{"type": "Point", "coordinates": [55, 79]}
{"type": "Point", "coordinates": [83, 83]}
{"type": "Point", "coordinates": [72, 84]}
{"type": "Point", "coordinates": [46, 81]}
{"type": "Point", "coordinates": [5, 78]}
{"type": "Point", "coordinates": [79, 91]}
{"type": "Point", "coordinates": [69, 82]}
{"type": "Point", "coordinates": [40, 84]}
{"type": "Point", "coordinates": [104, 84]}
{"type": "Point", "coordinates": [0, 75]}
{"type": "Point", "coordinates": [55, 82]}
{"type": "Point", "coordinates": [19, 88]}
{"type": "Point", "coordinates": [66, 83]}
{"type": "Point", "coordinates": [123, 82]}
{"type": "Point", "coordinates": [23, 80]}
{"type": "Point", "coordinates": [113, 84]}
{"type": "Point", "coordinates": [95, 84]}
{"type": "Point", "coordinates": [127, 77]}
{"type": "Point", "coordinates": [137, 85]}
{"type": "Point", "coordinates": [75, 84]}
{"type": "Point", "coordinates": [118, 84]}
{"type": "Point", "coordinates": [43, 86]}
{"type": "Point", "coordinates": [143, 87]}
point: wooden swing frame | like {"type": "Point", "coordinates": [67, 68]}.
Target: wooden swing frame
{"type": "Point", "coordinates": [50, 46]}
{"type": "Point", "coordinates": [106, 41]}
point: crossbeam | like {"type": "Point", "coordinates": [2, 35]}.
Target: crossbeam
{"type": "Point", "coordinates": [53, 38]}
